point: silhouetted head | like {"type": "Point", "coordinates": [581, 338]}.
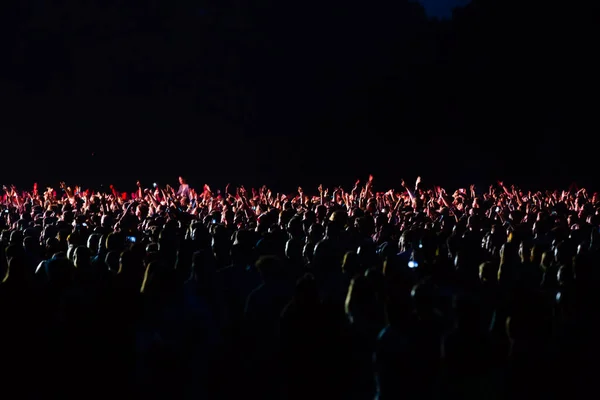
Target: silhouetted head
{"type": "Point", "coordinates": [321, 212]}
{"type": "Point", "coordinates": [31, 245]}
{"type": "Point", "coordinates": [351, 264]}
{"type": "Point", "coordinates": [82, 257]}
{"type": "Point", "coordinates": [565, 275]}
{"type": "Point", "coordinates": [112, 261]}
{"type": "Point", "coordinates": [239, 254]}
{"type": "Point", "coordinates": [564, 253]}
{"type": "Point", "coordinates": [295, 228]}
{"type": "Point", "coordinates": [488, 272]}
{"type": "Point", "coordinates": [59, 271]}
{"type": "Point", "coordinates": [361, 300]}
{"type": "Point", "coordinates": [93, 243]}
{"type": "Point", "coordinates": [130, 262]}
{"type": "Point", "coordinates": [306, 292]}
{"type": "Point", "coordinates": [365, 226]}
{"type": "Point", "coordinates": [16, 272]}
{"type": "Point", "coordinates": [271, 268]}
{"type": "Point", "coordinates": [509, 254]}
{"type": "Point", "coordinates": [315, 232]}
{"type": "Point", "coordinates": [203, 263]}
{"type": "Point", "coordinates": [115, 242]}
{"type": "Point", "coordinates": [293, 249]}
{"type": "Point", "coordinates": [16, 237]}
{"type": "Point", "coordinates": [15, 251]}
{"type": "Point", "coordinates": [155, 278]}
{"type": "Point", "coordinates": [424, 298]}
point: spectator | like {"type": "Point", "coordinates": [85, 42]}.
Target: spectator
{"type": "Point", "coordinates": [285, 296]}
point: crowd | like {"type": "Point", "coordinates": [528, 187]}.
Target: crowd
{"type": "Point", "coordinates": [416, 293]}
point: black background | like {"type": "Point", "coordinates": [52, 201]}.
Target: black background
{"type": "Point", "coordinates": [103, 92]}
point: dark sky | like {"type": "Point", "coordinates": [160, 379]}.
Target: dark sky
{"type": "Point", "coordinates": [442, 8]}
{"type": "Point", "coordinates": [265, 92]}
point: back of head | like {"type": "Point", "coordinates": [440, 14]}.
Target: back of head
{"type": "Point", "coordinates": [333, 229]}
{"type": "Point", "coordinates": [316, 232]}
{"type": "Point", "coordinates": [102, 244]}
{"type": "Point", "coordinates": [244, 238]}
{"type": "Point", "coordinates": [488, 272]}
{"type": "Point", "coordinates": [154, 279]}
{"type": "Point", "coordinates": [70, 252]}
{"type": "Point", "coordinates": [93, 242]}
{"type": "Point", "coordinates": [59, 271]}
{"type": "Point", "coordinates": [270, 268]}
{"type": "Point", "coordinates": [112, 261]}
{"type": "Point", "coordinates": [16, 237]}
{"type": "Point", "coordinates": [424, 298]}
{"type": "Point", "coordinates": [74, 239]}
{"type": "Point", "coordinates": [339, 219]}
{"type": "Point", "coordinates": [295, 227]}
{"type": "Point", "coordinates": [239, 254]}
{"type": "Point", "coordinates": [203, 262]}
{"type": "Point", "coordinates": [367, 253]}
{"type": "Point", "coordinates": [114, 242]}
{"type": "Point", "coordinates": [361, 299]}
{"type": "Point", "coordinates": [365, 225]}
{"type": "Point", "coordinates": [351, 264]}
{"type": "Point", "coordinates": [509, 254]}
{"type": "Point", "coordinates": [130, 262]}
{"type": "Point", "coordinates": [293, 249]}
{"type": "Point", "coordinates": [16, 272]}
{"type": "Point", "coordinates": [152, 247]}
{"type": "Point", "coordinates": [82, 257]}
{"type": "Point", "coordinates": [565, 251]}
{"type": "Point", "coordinates": [327, 256]}
{"type": "Point", "coordinates": [31, 244]}
{"type": "Point", "coordinates": [15, 251]}
{"type": "Point", "coordinates": [306, 292]}
{"type": "Point", "coordinates": [565, 275]}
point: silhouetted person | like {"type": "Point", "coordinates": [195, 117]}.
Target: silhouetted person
{"type": "Point", "coordinates": [263, 309]}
